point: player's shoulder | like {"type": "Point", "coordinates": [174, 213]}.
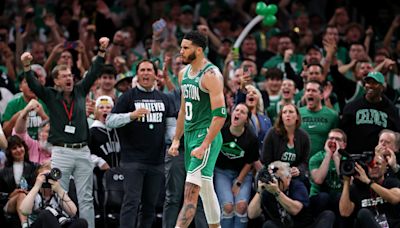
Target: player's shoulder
{"type": "Point", "coordinates": [212, 71]}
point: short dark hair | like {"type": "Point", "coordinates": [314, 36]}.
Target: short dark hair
{"type": "Point", "coordinates": [321, 86]}
{"type": "Point", "coordinates": [57, 69]}
{"type": "Point", "coordinates": [12, 142]}
{"type": "Point", "coordinates": [314, 63]}
{"type": "Point", "coordinates": [357, 43]}
{"type": "Point", "coordinates": [197, 38]}
{"type": "Point", "coordinates": [148, 61]}
{"type": "Point", "coordinates": [108, 69]}
{"type": "Point", "coordinates": [340, 131]}
{"type": "Point", "coordinates": [274, 73]}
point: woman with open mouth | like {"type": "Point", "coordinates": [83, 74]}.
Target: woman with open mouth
{"type": "Point", "coordinates": [259, 121]}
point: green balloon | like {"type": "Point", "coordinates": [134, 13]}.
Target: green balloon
{"type": "Point", "coordinates": [269, 20]}
{"type": "Point", "coordinates": [261, 8]}
{"type": "Point", "coordinates": [271, 9]}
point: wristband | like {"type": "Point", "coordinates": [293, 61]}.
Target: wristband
{"type": "Point", "coordinates": [276, 194]}
{"type": "Point", "coordinates": [101, 50]}
{"type": "Point", "coordinates": [221, 112]}
{"type": "Point", "coordinates": [370, 183]}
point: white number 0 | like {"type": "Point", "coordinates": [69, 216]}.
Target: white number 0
{"type": "Point", "coordinates": [188, 110]}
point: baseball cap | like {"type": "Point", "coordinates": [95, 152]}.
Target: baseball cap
{"type": "Point", "coordinates": [186, 9]}
{"type": "Point", "coordinates": [313, 47]}
{"type": "Point", "coordinates": [123, 77]}
{"type": "Point", "coordinates": [377, 76]}
{"type": "Point", "coordinates": [104, 100]}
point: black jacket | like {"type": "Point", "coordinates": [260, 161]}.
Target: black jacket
{"type": "Point", "coordinates": [7, 182]}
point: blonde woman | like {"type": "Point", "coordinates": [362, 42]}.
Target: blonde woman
{"type": "Point", "coordinates": [258, 120]}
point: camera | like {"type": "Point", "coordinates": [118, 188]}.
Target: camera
{"type": "Point", "coordinates": [265, 176]}
{"type": "Point", "coordinates": [54, 174]}
{"type": "Point", "coordinates": [347, 166]}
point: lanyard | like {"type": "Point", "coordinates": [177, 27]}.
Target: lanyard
{"type": "Point", "coordinates": [69, 112]}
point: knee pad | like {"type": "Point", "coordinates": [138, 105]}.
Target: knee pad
{"type": "Point", "coordinates": [210, 202]}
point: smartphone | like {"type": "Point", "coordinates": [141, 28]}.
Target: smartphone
{"type": "Point", "coordinates": [245, 68]}
{"type": "Point", "coordinates": [159, 25]}
{"type": "Point", "coordinates": [70, 44]}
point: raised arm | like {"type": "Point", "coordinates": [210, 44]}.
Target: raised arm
{"type": "Point", "coordinates": [95, 70]}
{"type": "Point", "coordinates": [21, 123]}
{"type": "Point", "coordinates": [389, 34]}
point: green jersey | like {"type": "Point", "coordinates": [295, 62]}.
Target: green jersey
{"type": "Point", "coordinates": [197, 100]}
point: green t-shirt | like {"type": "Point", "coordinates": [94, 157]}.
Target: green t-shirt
{"type": "Point", "coordinates": [332, 181]}
{"type": "Point", "coordinates": [289, 155]}
{"type": "Point", "coordinates": [296, 61]}
{"type": "Point", "coordinates": [317, 125]}
{"type": "Point", "coordinates": [34, 120]}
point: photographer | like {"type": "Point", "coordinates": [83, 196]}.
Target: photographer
{"type": "Point", "coordinates": [372, 197]}
{"type": "Point", "coordinates": [47, 204]}
{"type": "Point", "coordinates": [284, 200]}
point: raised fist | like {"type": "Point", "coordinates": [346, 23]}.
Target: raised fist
{"type": "Point", "coordinates": [104, 41]}
{"type": "Point", "coordinates": [26, 59]}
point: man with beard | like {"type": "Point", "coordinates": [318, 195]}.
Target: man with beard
{"type": "Point", "coordinates": [69, 130]}
{"type": "Point", "coordinates": [315, 72]}
{"type": "Point", "coordinates": [366, 116]}
{"type": "Point", "coordinates": [373, 198]}
{"type": "Point", "coordinates": [316, 119]}
{"type": "Point", "coordinates": [202, 115]}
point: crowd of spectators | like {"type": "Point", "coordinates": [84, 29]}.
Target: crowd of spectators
{"type": "Point", "coordinates": [85, 84]}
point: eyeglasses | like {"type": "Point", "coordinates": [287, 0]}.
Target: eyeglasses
{"type": "Point", "coordinates": [335, 138]}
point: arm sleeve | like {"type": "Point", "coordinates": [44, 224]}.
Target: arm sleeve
{"type": "Point", "coordinates": [92, 74]}
{"type": "Point", "coordinates": [305, 151]}
{"type": "Point", "coordinates": [290, 74]}
{"type": "Point", "coordinates": [252, 152]}
{"type": "Point", "coordinates": [240, 97]}
{"type": "Point", "coordinates": [267, 153]}
{"type": "Point", "coordinates": [341, 84]}
{"type": "Point", "coordinates": [116, 120]}
{"type": "Point", "coordinates": [299, 192]}
{"type": "Point", "coordinates": [35, 86]}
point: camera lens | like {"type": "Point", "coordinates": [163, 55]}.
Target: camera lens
{"type": "Point", "coordinates": [347, 168]}
{"type": "Point", "coordinates": [55, 174]}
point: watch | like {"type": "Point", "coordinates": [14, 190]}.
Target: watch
{"type": "Point", "coordinates": [238, 183]}
{"type": "Point", "coordinates": [370, 183]}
